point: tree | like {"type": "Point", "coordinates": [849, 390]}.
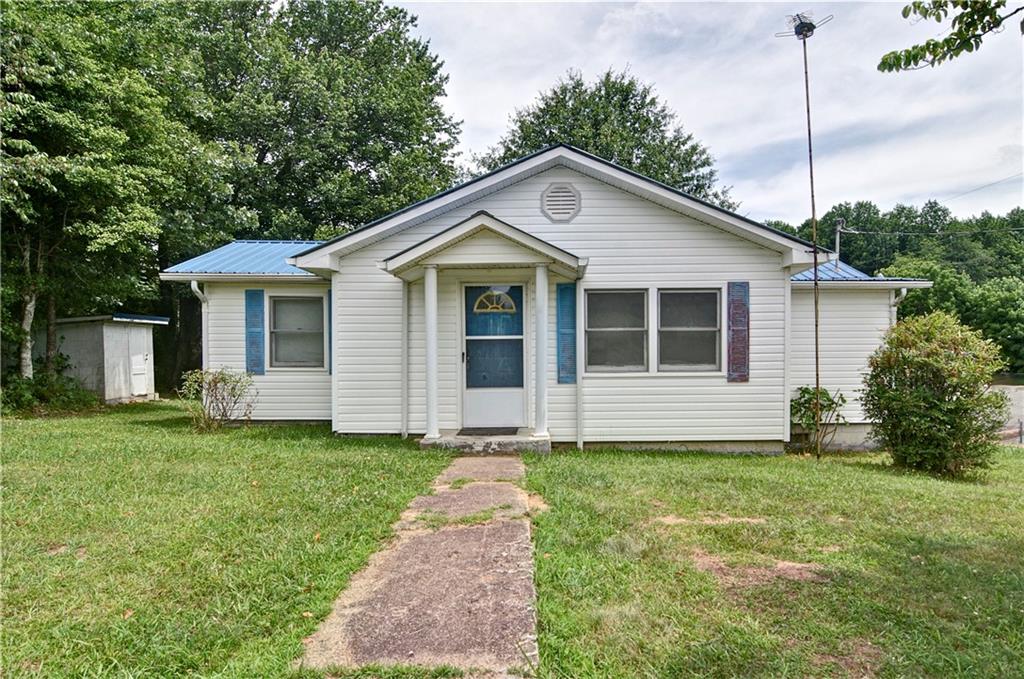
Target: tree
{"type": "Point", "coordinates": [972, 22]}
{"type": "Point", "coordinates": [91, 152]}
{"type": "Point", "coordinates": [619, 118]}
{"type": "Point", "coordinates": [334, 107]}
{"type": "Point", "coordinates": [997, 309]}
{"type": "Point", "coordinates": [951, 290]}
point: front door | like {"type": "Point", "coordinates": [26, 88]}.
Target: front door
{"type": "Point", "coordinates": [493, 389]}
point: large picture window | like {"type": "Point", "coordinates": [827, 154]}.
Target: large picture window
{"type": "Point", "coordinates": [616, 330]}
{"type": "Point", "coordinates": [297, 332]}
{"type": "Point", "coordinates": [689, 330]}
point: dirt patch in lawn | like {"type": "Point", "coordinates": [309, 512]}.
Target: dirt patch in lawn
{"type": "Point", "coordinates": [861, 659]}
{"type": "Point", "coordinates": [713, 520]}
{"type": "Point", "coordinates": [535, 503]}
{"type": "Point", "coordinates": [750, 576]}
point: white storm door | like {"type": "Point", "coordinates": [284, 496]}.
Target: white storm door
{"type": "Point", "coordinates": [493, 351]}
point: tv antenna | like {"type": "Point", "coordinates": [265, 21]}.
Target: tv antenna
{"type": "Point", "coordinates": [802, 26]}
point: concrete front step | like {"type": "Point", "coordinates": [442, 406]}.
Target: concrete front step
{"type": "Point", "coordinates": [522, 442]}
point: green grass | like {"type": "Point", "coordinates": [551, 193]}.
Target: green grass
{"type": "Point", "coordinates": [925, 577]}
{"type": "Point", "coordinates": [132, 546]}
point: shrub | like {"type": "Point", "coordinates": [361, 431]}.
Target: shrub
{"type": "Point", "coordinates": [213, 397]}
{"type": "Point", "coordinates": [801, 412]}
{"type": "Point", "coordinates": [47, 392]}
{"type": "Point", "coordinates": [927, 392]}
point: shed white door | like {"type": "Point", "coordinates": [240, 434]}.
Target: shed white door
{"type": "Point", "coordinates": [138, 350]}
{"type": "Point", "coordinates": [493, 388]}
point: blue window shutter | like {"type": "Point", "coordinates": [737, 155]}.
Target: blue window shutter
{"type": "Point", "coordinates": [330, 327]}
{"type": "Point", "coordinates": [254, 342]}
{"type": "Point", "coordinates": [738, 316]}
{"type": "Point", "coordinates": [565, 299]}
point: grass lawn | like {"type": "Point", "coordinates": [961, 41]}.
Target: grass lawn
{"type": "Point", "coordinates": [915, 576]}
{"type": "Point", "coordinates": [132, 547]}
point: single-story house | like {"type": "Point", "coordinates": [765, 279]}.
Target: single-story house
{"type": "Point", "coordinates": [561, 296]}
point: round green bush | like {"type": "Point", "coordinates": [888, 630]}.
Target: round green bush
{"type": "Point", "coordinates": [927, 393]}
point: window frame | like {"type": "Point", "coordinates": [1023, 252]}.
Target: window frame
{"type": "Point", "coordinates": [626, 369]}
{"type": "Point", "coordinates": [271, 300]}
{"type": "Point", "coordinates": [692, 368]}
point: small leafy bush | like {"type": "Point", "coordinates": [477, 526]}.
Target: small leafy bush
{"type": "Point", "coordinates": [927, 392]}
{"type": "Point", "coordinates": [47, 392]}
{"type": "Point", "coordinates": [801, 412]}
{"type": "Point", "coordinates": [213, 397]}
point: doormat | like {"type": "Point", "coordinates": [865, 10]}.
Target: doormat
{"type": "Point", "coordinates": [488, 431]}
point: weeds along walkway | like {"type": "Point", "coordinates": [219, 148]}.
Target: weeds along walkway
{"type": "Point", "coordinates": [455, 588]}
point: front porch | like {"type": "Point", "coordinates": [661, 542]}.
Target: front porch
{"type": "Point", "coordinates": [494, 346]}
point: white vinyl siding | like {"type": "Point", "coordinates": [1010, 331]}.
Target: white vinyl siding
{"type": "Point", "coordinates": [852, 324]}
{"type": "Point", "coordinates": [630, 243]}
{"type": "Point", "coordinates": [284, 393]}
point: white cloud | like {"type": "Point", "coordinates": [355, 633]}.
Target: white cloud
{"type": "Point", "coordinates": [883, 137]}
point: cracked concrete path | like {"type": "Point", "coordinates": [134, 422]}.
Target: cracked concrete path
{"type": "Point", "coordinates": [454, 588]}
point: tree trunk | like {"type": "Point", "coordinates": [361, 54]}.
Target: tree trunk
{"type": "Point", "coordinates": [51, 333]}
{"type": "Point", "coordinates": [27, 315]}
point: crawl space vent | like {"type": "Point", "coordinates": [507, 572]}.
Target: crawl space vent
{"type": "Point", "coordinates": [560, 202]}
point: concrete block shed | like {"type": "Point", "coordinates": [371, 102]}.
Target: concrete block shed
{"type": "Point", "coordinates": [112, 355]}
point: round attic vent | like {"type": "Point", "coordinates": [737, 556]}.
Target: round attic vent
{"type": "Point", "coordinates": [560, 202]}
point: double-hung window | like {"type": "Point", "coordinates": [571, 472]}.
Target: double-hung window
{"type": "Point", "coordinates": [297, 332]}
{"type": "Point", "coordinates": [616, 330]}
{"type": "Point", "coordinates": [689, 330]}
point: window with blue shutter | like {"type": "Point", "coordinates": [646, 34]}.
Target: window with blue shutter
{"type": "Point", "coordinates": [254, 323]}
{"type": "Point", "coordinates": [738, 318]}
{"type": "Point", "coordinates": [565, 303]}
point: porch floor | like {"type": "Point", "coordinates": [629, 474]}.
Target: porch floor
{"type": "Point", "coordinates": [523, 441]}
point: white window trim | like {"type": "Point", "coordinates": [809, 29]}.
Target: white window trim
{"type": "Point", "coordinates": [652, 337]}
{"type": "Point", "coordinates": [268, 339]}
{"type": "Point", "coordinates": [617, 370]}
{"type": "Point", "coordinates": [719, 349]}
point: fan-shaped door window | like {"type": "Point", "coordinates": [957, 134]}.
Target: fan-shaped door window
{"type": "Point", "coordinates": [494, 302]}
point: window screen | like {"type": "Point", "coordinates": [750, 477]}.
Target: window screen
{"type": "Point", "coordinates": [297, 332]}
{"type": "Point", "coordinates": [689, 330]}
{"type": "Point", "coordinates": [616, 330]}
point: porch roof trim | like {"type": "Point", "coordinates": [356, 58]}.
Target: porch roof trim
{"type": "Point", "coordinates": [407, 263]}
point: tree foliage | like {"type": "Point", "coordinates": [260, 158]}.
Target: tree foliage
{"type": "Point", "coordinates": [618, 118]}
{"type": "Point", "coordinates": [138, 134]}
{"type": "Point", "coordinates": [972, 21]}
{"type": "Point", "coordinates": [927, 394]}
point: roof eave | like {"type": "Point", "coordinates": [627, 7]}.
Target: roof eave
{"type": "Point", "coordinates": [874, 283]}
{"type": "Point", "coordinates": [239, 277]}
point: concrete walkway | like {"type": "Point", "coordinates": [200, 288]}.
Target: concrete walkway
{"type": "Point", "coordinates": [455, 588]}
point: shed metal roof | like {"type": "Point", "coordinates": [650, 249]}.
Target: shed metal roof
{"type": "Point", "coordinates": [248, 257]}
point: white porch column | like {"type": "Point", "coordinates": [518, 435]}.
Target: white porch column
{"type": "Point", "coordinates": [540, 427]}
{"type": "Point", "coordinates": [430, 314]}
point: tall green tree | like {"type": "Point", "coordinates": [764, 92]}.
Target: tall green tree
{"type": "Point", "coordinates": [334, 105]}
{"type": "Point", "coordinates": [619, 118]}
{"type": "Point", "coordinates": [973, 21]}
{"type": "Point", "coordinates": [90, 153]}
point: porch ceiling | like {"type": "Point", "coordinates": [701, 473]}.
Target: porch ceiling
{"type": "Point", "coordinates": [482, 241]}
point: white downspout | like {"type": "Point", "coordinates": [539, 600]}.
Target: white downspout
{"type": "Point", "coordinates": [205, 304]}
{"type": "Point", "coordinates": [896, 299]}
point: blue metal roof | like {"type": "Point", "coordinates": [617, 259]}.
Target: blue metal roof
{"type": "Point", "coordinates": [265, 257]}
{"type": "Point", "coordinates": [841, 271]}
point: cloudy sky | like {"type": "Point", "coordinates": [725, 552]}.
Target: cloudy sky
{"type": "Point", "coordinates": [890, 138]}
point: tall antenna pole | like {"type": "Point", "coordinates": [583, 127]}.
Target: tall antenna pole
{"type": "Point", "coordinates": [814, 248]}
